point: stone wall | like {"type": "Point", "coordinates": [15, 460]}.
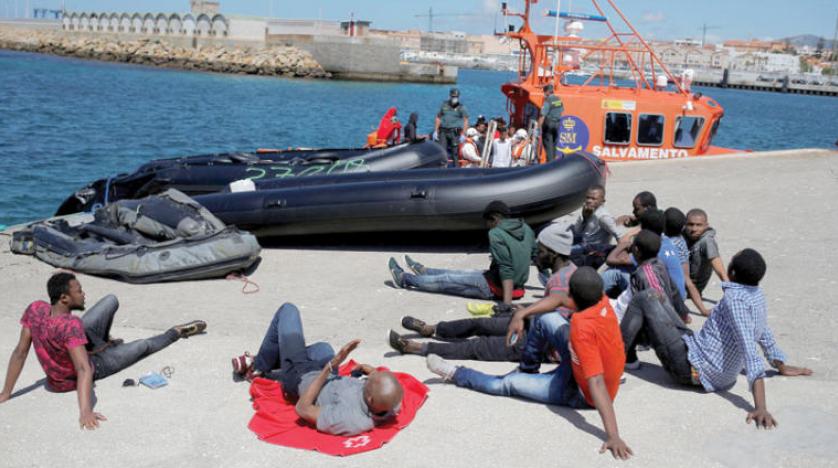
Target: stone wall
{"type": "Point", "coordinates": [277, 61]}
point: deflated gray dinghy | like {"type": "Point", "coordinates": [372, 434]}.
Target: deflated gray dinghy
{"type": "Point", "coordinates": [165, 237]}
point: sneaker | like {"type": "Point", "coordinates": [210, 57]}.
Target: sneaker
{"type": "Point", "coordinates": [417, 267]}
{"type": "Point", "coordinates": [441, 367]}
{"type": "Point", "coordinates": [396, 341]}
{"type": "Point", "coordinates": [397, 272]}
{"type": "Point", "coordinates": [414, 324]}
{"type": "Point", "coordinates": [192, 328]}
{"type": "Point", "coordinates": [633, 365]}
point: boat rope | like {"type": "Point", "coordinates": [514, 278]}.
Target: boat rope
{"type": "Point", "coordinates": [248, 283]}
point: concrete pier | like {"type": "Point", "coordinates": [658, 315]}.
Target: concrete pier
{"type": "Point", "coordinates": [785, 204]}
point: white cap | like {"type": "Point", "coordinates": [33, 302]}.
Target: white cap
{"type": "Point", "coordinates": [521, 134]}
{"type": "Point", "coordinates": [472, 132]}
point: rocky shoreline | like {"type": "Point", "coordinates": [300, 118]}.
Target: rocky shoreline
{"type": "Point", "coordinates": [287, 62]}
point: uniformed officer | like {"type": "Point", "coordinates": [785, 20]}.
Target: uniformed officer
{"type": "Point", "coordinates": [451, 120]}
{"type": "Point", "coordinates": [551, 115]}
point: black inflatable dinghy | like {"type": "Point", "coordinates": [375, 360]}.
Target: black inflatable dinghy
{"type": "Point", "coordinates": [195, 175]}
{"type": "Point", "coordinates": [417, 200]}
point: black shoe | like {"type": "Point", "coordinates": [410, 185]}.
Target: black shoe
{"type": "Point", "coordinates": [397, 342]}
{"type": "Point", "coordinates": [397, 272]}
{"type": "Point", "coordinates": [414, 324]}
{"type": "Point", "coordinates": [417, 267]}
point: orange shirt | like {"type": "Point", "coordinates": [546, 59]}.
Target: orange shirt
{"type": "Point", "coordinates": [596, 348]}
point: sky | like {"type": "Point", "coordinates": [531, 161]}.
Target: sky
{"type": "Point", "coordinates": [655, 19]}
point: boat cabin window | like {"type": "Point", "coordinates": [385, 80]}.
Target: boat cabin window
{"type": "Point", "coordinates": [618, 128]}
{"type": "Point", "coordinates": [687, 131]}
{"type": "Point", "coordinates": [650, 130]}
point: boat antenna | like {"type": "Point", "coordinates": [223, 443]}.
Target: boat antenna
{"type": "Point", "coordinates": [556, 39]}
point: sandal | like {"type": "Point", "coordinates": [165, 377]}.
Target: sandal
{"type": "Point", "coordinates": [243, 365]}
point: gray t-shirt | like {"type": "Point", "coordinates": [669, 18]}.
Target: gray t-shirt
{"type": "Point", "coordinates": [343, 410]}
{"type": "Point", "coordinates": [702, 252]}
{"type": "Point", "coordinates": [599, 228]}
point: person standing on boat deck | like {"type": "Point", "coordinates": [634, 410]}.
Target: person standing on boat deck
{"type": "Point", "coordinates": [451, 120]}
{"type": "Point", "coordinates": [468, 149]}
{"type": "Point", "coordinates": [502, 148]}
{"type": "Point", "coordinates": [482, 127]}
{"type": "Point", "coordinates": [551, 115]}
{"type": "Point", "coordinates": [411, 134]}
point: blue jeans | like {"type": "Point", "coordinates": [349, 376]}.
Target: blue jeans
{"type": "Point", "coordinates": [550, 330]}
{"type": "Point", "coordinates": [615, 281]}
{"type": "Point", "coordinates": [466, 283]}
{"type": "Point", "coordinates": [284, 348]}
{"type": "Point", "coordinates": [556, 387]}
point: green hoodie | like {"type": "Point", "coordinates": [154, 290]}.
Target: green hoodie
{"type": "Point", "coordinates": [512, 245]}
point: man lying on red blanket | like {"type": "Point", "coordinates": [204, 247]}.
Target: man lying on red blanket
{"type": "Point", "coordinates": [333, 404]}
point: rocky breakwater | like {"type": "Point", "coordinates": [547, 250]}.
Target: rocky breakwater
{"type": "Point", "coordinates": [275, 61]}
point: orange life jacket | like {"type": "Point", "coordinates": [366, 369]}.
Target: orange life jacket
{"type": "Point", "coordinates": [463, 160]}
{"type": "Point", "coordinates": [518, 150]}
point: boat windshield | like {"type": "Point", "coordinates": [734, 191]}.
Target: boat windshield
{"type": "Point", "coordinates": [687, 131]}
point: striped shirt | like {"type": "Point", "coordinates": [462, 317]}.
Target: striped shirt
{"type": "Point", "coordinates": [681, 247]}
{"type": "Point", "coordinates": [727, 343]}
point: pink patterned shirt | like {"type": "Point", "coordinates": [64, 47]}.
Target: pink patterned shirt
{"type": "Point", "coordinates": [52, 338]}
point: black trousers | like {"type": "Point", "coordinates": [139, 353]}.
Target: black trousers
{"type": "Point", "coordinates": [97, 323]}
{"type": "Point", "coordinates": [649, 312]}
{"type": "Point", "coordinates": [449, 138]}
{"type": "Point", "coordinates": [550, 138]}
{"type": "Point", "coordinates": [479, 339]}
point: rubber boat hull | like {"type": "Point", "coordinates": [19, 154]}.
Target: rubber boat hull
{"type": "Point", "coordinates": [166, 237]}
{"type": "Point", "coordinates": [421, 200]}
{"type": "Point", "coordinates": [196, 175]}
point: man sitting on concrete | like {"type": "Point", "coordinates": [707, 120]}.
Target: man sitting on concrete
{"type": "Point", "coordinates": [76, 351]}
{"type": "Point", "coordinates": [333, 404]}
{"type": "Point", "coordinates": [674, 222]}
{"type": "Point", "coordinates": [623, 262]}
{"type": "Point", "coordinates": [651, 274]}
{"type": "Point", "coordinates": [704, 251]}
{"type": "Point", "coordinates": [727, 343]}
{"type": "Point", "coordinates": [593, 229]}
{"type": "Point", "coordinates": [589, 376]}
{"type": "Point", "coordinates": [512, 246]}
{"type": "Point", "coordinates": [484, 338]}
{"type": "Point", "coordinates": [642, 201]}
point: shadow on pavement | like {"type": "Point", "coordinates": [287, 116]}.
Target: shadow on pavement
{"type": "Point", "coordinates": [31, 387]}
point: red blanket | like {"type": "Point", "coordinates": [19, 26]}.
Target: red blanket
{"type": "Point", "coordinates": [276, 421]}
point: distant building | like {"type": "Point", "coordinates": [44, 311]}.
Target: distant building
{"type": "Point", "coordinates": [755, 46]}
{"type": "Point", "coordinates": [766, 62]}
{"type": "Point", "coordinates": [205, 7]}
{"type": "Point", "coordinates": [355, 28]}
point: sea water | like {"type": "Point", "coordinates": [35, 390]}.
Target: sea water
{"type": "Point", "coordinates": [65, 122]}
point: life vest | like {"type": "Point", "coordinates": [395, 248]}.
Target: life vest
{"type": "Point", "coordinates": [519, 149]}
{"type": "Point", "coordinates": [463, 160]}
{"type": "Point", "coordinates": [374, 142]}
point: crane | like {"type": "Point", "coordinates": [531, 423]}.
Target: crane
{"type": "Point", "coordinates": [431, 15]}
{"type": "Point", "coordinates": [704, 28]}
